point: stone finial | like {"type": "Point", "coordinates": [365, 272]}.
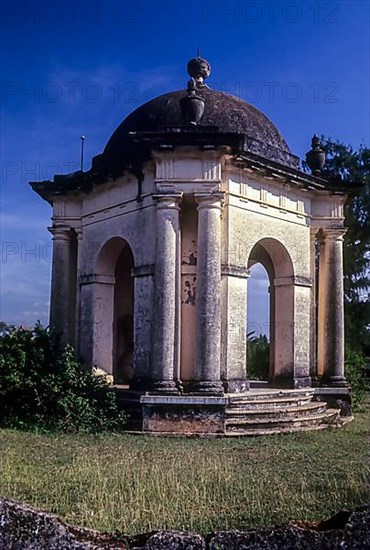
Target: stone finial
{"type": "Point", "coordinates": [192, 105]}
{"type": "Point", "coordinates": [199, 69]}
{"type": "Point", "coordinates": [316, 157]}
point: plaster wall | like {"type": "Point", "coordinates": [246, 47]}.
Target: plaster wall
{"type": "Point", "coordinates": [255, 214]}
{"type": "Point", "coordinates": [111, 212]}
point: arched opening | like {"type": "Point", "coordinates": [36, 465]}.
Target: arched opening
{"type": "Point", "coordinates": [278, 274]}
{"type": "Point", "coordinates": [258, 323]}
{"type": "Point", "coordinates": [114, 310]}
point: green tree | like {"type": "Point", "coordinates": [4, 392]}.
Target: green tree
{"type": "Point", "coordinates": [353, 168]}
{"type": "Point", "coordinates": [258, 356]}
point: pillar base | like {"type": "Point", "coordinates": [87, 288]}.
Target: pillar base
{"type": "Point", "coordinates": [236, 386]}
{"type": "Point", "coordinates": [315, 381]}
{"type": "Point", "coordinates": [302, 382]}
{"type": "Point", "coordinates": [165, 387]}
{"type": "Point", "coordinates": [335, 381]}
{"type": "Point", "coordinates": [207, 387]}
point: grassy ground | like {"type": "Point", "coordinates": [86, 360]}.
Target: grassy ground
{"type": "Point", "coordinates": [137, 484]}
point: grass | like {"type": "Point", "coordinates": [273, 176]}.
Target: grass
{"type": "Point", "coordinates": [138, 484]}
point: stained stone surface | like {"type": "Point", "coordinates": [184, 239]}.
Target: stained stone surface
{"type": "Point", "coordinates": [344, 531]}
{"type": "Point", "coordinates": [174, 540]}
{"type": "Point", "coordinates": [24, 528]}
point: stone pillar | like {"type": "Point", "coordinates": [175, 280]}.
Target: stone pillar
{"type": "Point", "coordinates": [96, 321]}
{"type": "Point", "coordinates": [331, 307]}
{"type": "Point", "coordinates": [208, 303]}
{"type": "Point", "coordinates": [313, 314]}
{"type": "Point", "coordinates": [60, 282]}
{"type": "Point", "coordinates": [78, 288]}
{"type": "Point", "coordinates": [284, 321]}
{"type": "Point", "coordinates": [234, 328]}
{"type": "Point", "coordinates": [144, 309]}
{"type": "Point", "coordinates": [302, 333]}
{"type": "Point", "coordinates": [165, 293]}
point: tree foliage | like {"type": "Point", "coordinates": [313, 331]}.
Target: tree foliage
{"type": "Point", "coordinates": [258, 356]}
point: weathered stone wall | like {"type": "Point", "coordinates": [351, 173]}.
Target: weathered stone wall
{"type": "Point", "coordinates": [24, 528]}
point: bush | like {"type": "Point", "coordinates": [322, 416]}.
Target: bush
{"type": "Point", "coordinates": [41, 385]}
{"type": "Point", "coordinates": [355, 371]}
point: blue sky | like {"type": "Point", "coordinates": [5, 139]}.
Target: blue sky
{"type": "Point", "coordinates": [72, 68]}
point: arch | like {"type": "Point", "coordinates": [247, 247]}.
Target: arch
{"type": "Point", "coordinates": [277, 261]}
{"type": "Point", "coordinates": [273, 255]}
{"type": "Point", "coordinates": [108, 255]}
{"type": "Point", "coordinates": [113, 298]}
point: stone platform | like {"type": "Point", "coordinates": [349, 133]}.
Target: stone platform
{"type": "Point", "coordinates": [259, 411]}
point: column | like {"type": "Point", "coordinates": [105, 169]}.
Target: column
{"type": "Point", "coordinates": [302, 332]}
{"type": "Point", "coordinates": [96, 321]}
{"type": "Point", "coordinates": [78, 288]}
{"type": "Point", "coordinates": [313, 313]}
{"type": "Point", "coordinates": [165, 292]}
{"type": "Point", "coordinates": [144, 309]}
{"type": "Point", "coordinates": [60, 282]}
{"type": "Point", "coordinates": [331, 307]}
{"type": "Point", "coordinates": [234, 280]}
{"type": "Point", "coordinates": [208, 303]}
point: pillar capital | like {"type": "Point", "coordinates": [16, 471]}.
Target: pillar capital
{"type": "Point", "coordinates": [333, 233]}
{"type": "Point", "coordinates": [79, 232]}
{"type": "Point", "coordinates": [209, 200]}
{"type": "Point", "coordinates": [314, 231]}
{"type": "Point", "coordinates": [60, 232]}
{"type": "Point", "coordinates": [168, 200]}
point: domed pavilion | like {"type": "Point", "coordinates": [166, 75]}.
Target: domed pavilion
{"type": "Point", "coordinates": [152, 250]}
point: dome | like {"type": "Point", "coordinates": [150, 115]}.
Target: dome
{"type": "Point", "coordinates": [223, 113]}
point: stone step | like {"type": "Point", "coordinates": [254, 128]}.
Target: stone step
{"type": "Point", "coordinates": [268, 394]}
{"type": "Point", "coordinates": [281, 421]}
{"type": "Point", "coordinates": [270, 403]}
{"type": "Point", "coordinates": [271, 412]}
{"type": "Point", "coordinates": [274, 431]}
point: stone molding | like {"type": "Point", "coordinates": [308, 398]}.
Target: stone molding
{"type": "Point", "coordinates": [143, 271]}
{"type": "Point", "coordinates": [240, 272]}
{"type": "Point", "coordinates": [183, 400]}
{"type": "Point", "coordinates": [95, 278]}
{"type": "Point", "coordinates": [295, 280]}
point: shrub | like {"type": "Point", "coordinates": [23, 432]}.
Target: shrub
{"type": "Point", "coordinates": [355, 367]}
{"type": "Point", "coordinates": [41, 385]}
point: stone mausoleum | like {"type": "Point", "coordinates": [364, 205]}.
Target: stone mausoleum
{"type": "Point", "coordinates": [152, 249]}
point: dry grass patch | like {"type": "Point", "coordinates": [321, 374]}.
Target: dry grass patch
{"type": "Point", "coordinates": [137, 484]}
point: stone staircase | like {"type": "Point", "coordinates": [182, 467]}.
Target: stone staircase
{"type": "Point", "coordinates": [272, 411]}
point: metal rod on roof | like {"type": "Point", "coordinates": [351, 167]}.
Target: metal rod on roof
{"type": "Point", "coordinates": [82, 152]}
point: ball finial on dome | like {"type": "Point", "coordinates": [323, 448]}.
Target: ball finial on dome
{"type": "Point", "coordinates": [199, 69]}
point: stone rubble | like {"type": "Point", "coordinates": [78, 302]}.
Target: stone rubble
{"type": "Point", "coordinates": [24, 528]}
